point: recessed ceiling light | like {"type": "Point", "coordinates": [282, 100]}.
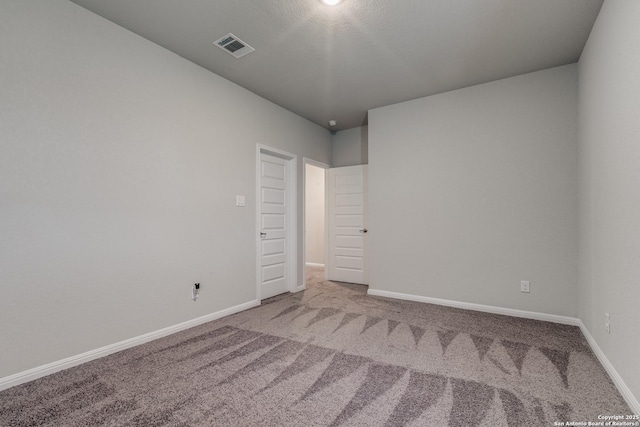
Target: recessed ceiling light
{"type": "Point", "coordinates": [331, 2]}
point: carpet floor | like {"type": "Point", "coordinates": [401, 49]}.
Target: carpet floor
{"type": "Point", "coordinates": [333, 356]}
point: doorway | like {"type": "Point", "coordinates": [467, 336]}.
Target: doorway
{"type": "Point", "coordinates": [314, 220]}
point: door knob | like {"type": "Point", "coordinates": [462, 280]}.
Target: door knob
{"type": "Point", "coordinates": [364, 230]}
{"type": "Point", "coordinates": [263, 234]}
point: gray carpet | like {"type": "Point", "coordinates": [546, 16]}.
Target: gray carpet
{"type": "Point", "coordinates": [332, 356]}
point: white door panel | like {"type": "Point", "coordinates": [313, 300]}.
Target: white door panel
{"type": "Point", "coordinates": [349, 200]}
{"type": "Point", "coordinates": [347, 244]}
{"type": "Point", "coordinates": [275, 168]}
{"type": "Point", "coordinates": [272, 247]}
{"type": "Point", "coordinates": [273, 196]}
{"type": "Point", "coordinates": [347, 211]}
{"type": "Point", "coordinates": [272, 272]}
{"type": "Point", "coordinates": [273, 222]}
{"type": "Point", "coordinates": [348, 184]}
{"type": "Point", "coordinates": [347, 220]}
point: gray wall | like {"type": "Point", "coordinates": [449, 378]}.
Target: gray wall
{"type": "Point", "coordinates": [119, 166]}
{"type": "Point", "coordinates": [610, 185]}
{"type": "Point", "coordinates": [476, 189]}
{"type": "Point", "coordinates": [350, 147]}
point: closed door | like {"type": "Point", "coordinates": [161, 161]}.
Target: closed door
{"type": "Point", "coordinates": [347, 211]}
{"type": "Point", "coordinates": [273, 225]}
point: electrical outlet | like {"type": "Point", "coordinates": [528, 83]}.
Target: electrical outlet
{"type": "Point", "coordinates": [607, 322]}
{"type": "Point", "coordinates": [524, 286]}
{"type": "Point", "coordinates": [195, 292]}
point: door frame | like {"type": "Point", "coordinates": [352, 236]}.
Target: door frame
{"type": "Point", "coordinates": [306, 161]}
{"type": "Point", "coordinates": [291, 213]}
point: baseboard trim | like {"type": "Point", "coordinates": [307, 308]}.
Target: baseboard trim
{"type": "Point", "coordinates": [613, 374]}
{"type": "Point", "coordinates": [69, 362]}
{"type": "Point", "coordinates": [565, 320]}
{"type": "Point", "coordinates": [314, 264]}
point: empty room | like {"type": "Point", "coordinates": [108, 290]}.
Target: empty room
{"type": "Point", "coordinates": [319, 212]}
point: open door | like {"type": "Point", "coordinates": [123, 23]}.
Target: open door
{"type": "Point", "coordinates": [347, 224]}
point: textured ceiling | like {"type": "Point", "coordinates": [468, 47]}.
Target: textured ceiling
{"type": "Point", "coordinates": [338, 62]}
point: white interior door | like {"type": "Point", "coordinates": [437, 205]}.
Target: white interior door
{"type": "Point", "coordinates": [273, 226]}
{"type": "Point", "coordinates": [347, 224]}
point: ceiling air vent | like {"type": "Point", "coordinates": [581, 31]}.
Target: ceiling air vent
{"type": "Point", "coordinates": [233, 45]}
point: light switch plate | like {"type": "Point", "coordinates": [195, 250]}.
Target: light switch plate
{"type": "Point", "coordinates": [240, 201]}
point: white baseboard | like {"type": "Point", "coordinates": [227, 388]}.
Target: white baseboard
{"type": "Point", "coordinates": [565, 320]}
{"type": "Point", "coordinates": [615, 377]}
{"type": "Point", "coordinates": [50, 368]}
{"type": "Point", "coordinates": [314, 264]}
